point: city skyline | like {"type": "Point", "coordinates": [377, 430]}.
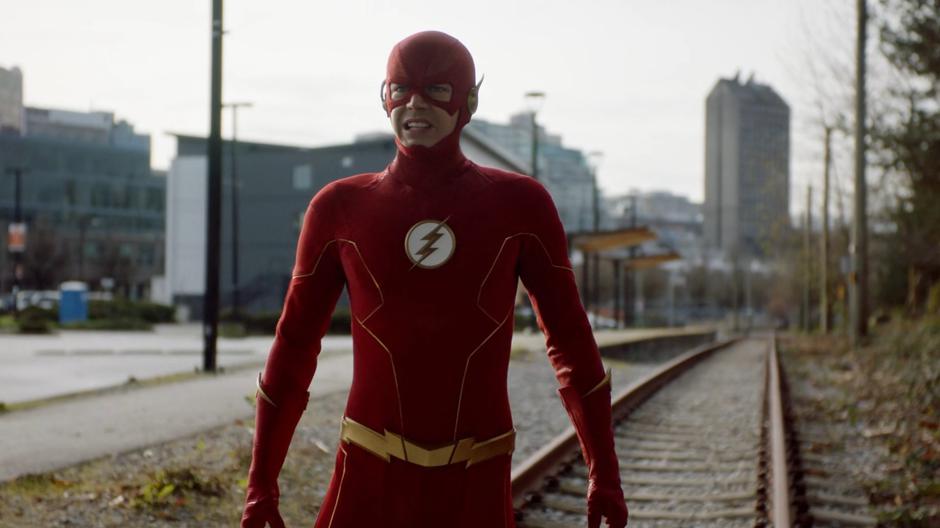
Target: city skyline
{"type": "Point", "coordinates": [312, 85]}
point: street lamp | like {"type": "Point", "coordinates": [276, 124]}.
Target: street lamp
{"type": "Point", "coordinates": [235, 185]}
{"type": "Point", "coordinates": [594, 160]}
{"type": "Point", "coordinates": [534, 102]}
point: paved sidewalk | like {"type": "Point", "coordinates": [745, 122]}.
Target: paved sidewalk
{"type": "Point", "coordinates": [35, 367]}
{"type": "Point", "coordinates": [66, 433]}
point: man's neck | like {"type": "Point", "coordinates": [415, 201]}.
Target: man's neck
{"type": "Point", "coordinates": [420, 166]}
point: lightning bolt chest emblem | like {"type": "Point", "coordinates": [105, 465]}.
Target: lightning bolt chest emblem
{"type": "Point", "coordinates": [429, 244]}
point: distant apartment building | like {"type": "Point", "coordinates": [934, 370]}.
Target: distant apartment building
{"type": "Point", "coordinates": [275, 183]}
{"type": "Point", "coordinates": [564, 171]}
{"type": "Point", "coordinates": [92, 205]}
{"type": "Point", "coordinates": [747, 167]}
{"type": "Point", "coordinates": [11, 100]}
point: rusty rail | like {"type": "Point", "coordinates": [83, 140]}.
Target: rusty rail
{"type": "Point", "coordinates": [538, 470]}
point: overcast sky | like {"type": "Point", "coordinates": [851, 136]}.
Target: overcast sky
{"type": "Point", "coordinates": [625, 77]}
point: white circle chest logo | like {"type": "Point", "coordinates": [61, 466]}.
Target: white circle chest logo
{"type": "Point", "coordinates": [430, 243]}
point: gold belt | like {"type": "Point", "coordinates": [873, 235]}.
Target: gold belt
{"type": "Point", "coordinates": [392, 445]}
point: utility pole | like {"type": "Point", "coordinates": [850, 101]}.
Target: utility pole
{"type": "Point", "coordinates": [17, 235]}
{"type": "Point", "coordinates": [235, 188]}
{"type": "Point", "coordinates": [808, 256]}
{"type": "Point", "coordinates": [824, 311]}
{"type": "Point", "coordinates": [210, 319]}
{"type": "Point", "coordinates": [859, 282]}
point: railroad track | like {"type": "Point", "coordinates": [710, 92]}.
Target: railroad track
{"type": "Point", "coordinates": [703, 441]}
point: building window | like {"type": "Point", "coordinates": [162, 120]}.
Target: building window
{"type": "Point", "coordinates": [70, 193]}
{"type": "Point", "coordinates": [100, 195]}
{"type": "Point", "coordinates": [303, 177]}
{"type": "Point", "coordinates": [154, 200]}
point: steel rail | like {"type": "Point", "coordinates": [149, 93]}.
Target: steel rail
{"type": "Point", "coordinates": [779, 474]}
{"type": "Point", "coordinates": [539, 470]}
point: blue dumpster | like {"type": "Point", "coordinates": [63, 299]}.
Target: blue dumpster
{"type": "Point", "coordinates": [73, 302]}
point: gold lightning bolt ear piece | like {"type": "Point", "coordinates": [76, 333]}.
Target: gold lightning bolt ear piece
{"type": "Point", "coordinates": [473, 98]}
{"type": "Point", "coordinates": [382, 97]}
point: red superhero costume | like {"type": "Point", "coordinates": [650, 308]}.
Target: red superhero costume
{"type": "Point", "coordinates": [430, 249]}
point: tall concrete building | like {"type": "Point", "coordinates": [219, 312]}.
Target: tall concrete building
{"type": "Point", "coordinates": [11, 100]}
{"type": "Point", "coordinates": [747, 167]}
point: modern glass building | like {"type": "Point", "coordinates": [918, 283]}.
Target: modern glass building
{"type": "Point", "coordinates": [94, 209]}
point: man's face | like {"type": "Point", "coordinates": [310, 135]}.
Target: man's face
{"type": "Point", "coordinates": [420, 122]}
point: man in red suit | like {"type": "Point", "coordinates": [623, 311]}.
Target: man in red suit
{"type": "Point", "coordinates": [430, 249]}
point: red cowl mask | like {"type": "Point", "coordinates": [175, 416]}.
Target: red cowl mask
{"type": "Point", "coordinates": [419, 61]}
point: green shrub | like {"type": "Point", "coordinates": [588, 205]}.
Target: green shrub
{"type": "Point", "coordinates": [232, 329]}
{"type": "Point", "coordinates": [120, 323]}
{"type": "Point", "coordinates": [933, 300]}
{"type": "Point", "coordinates": [265, 323]}
{"type": "Point", "coordinates": [120, 309]}
{"type": "Point", "coordinates": [155, 313]}
{"type": "Point", "coordinates": [260, 323]}
{"type": "Point", "coordinates": [35, 320]}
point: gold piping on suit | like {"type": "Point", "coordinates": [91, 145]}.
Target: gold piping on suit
{"type": "Point", "coordinates": [499, 324]}
{"type": "Point", "coordinates": [401, 414]}
{"type": "Point", "coordinates": [466, 368]}
{"type": "Point", "coordinates": [361, 259]}
{"type": "Point", "coordinates": [601, 383]}
{"type": "Point", "coordinates": [264, 395]}
{"type": "Point", "coordinates": [496, 259]}
{"type": "Point", "coordinates": [339, 489]}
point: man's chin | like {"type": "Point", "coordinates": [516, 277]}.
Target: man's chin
{"type": "Point", "coordinates": [411, 143]}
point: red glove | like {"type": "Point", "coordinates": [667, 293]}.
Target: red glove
{"type": "Point", "coordinates": [590, 415]}
{"type": "Point", "coordinates": [274, 427]}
